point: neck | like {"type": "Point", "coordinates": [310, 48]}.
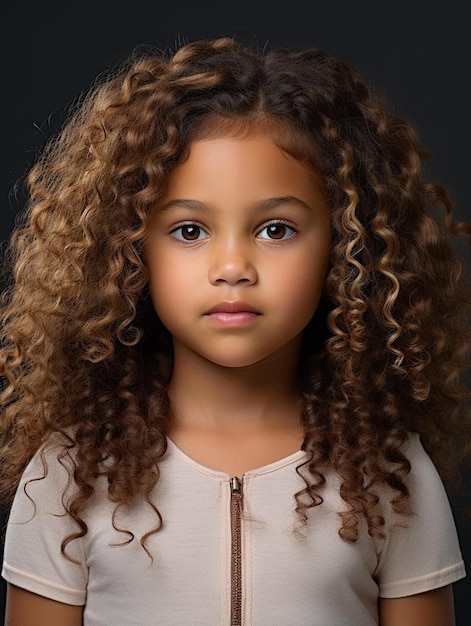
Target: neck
{"type": "Point", "coordinates": [206, 396]}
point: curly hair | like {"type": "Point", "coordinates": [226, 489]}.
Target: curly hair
{"type": "Point", "coordinates": [84, 353]}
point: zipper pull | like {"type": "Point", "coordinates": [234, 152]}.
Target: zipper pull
{"type": "Point", "coordinates": [236, 486]}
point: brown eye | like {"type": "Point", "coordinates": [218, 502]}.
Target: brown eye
{"type": "Point", "coordinates": [189, 232]}
{"type": "Point", "coordinates": [276, 231]}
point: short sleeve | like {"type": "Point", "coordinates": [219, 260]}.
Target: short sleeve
{"type": "Point", "coordinates": [36, 527]}
{"type": "Point", "coordinates": [421, 552]}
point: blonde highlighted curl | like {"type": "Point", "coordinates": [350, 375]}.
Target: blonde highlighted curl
{"type": "Point", "coordinates": [84, 354]}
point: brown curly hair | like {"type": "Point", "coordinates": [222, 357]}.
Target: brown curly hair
{"type": "Point", "coordinates": [84, 354]}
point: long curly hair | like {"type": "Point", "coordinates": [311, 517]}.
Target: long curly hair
{"type": "Point", "coordinates": [84, 353]}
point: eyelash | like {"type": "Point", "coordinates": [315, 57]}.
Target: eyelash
{"type": "Point", "coordinates": [276, 222]}
{"type": "Point", "coordinates": [284, 223]}
{"type": "Point", "coordinates": [181, 225]}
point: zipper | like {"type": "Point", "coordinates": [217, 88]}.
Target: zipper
{"type": "Point", "coordinates": [236, 551]}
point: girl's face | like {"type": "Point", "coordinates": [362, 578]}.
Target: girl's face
{"type": "Point", "coordinates": [237, 251]}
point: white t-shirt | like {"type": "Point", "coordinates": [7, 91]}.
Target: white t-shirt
{"type": "Point", "coordinates": [320, 580]}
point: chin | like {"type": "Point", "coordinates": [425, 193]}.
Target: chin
{"type": "Point", "coordinates": [234, 361]}
{"type": "Point", "coordinates": [231, 363]}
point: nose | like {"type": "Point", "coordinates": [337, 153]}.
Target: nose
{"type": "Point", "coordinates": [232, 263]}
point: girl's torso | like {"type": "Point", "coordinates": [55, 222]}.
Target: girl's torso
{"type": "Point", "coordinates": [229, 553]}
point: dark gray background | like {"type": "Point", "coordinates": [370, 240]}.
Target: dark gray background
{"type": "Point", "coordinates": [417, 53]}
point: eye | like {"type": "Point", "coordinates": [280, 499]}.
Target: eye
{"type": "Point", "coordinates": [189, 232]}
{"type": "Point", "coordinates": [276, 231]}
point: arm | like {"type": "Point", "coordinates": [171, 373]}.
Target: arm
{"type": "Point", "coordinates": [24, 608]}
{"type": "Point", "coordinates": [432, 608]}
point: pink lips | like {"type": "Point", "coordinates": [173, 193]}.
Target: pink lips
{"type": "Point", "coordinates": [235, 313]}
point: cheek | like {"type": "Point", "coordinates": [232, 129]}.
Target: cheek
{"type": "Point", "coordinates": [302, 298]}
{"type": "Point", "coordinates": [303, 280]}
{"type": "Point", "coordinates": [170, 289]}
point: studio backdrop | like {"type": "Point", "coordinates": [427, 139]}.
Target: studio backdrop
{"type": "Point", "coordinates": [417, 54]}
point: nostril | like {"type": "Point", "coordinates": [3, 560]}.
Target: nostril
{"type": "Point", "coordinates": [233, 272]}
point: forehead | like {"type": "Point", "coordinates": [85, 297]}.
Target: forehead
{"type": "Point", "coordinates": [238, 166]}
{"type": "Point", "coordinates": [228, 174]}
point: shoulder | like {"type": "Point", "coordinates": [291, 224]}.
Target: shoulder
{"type": "Point", "coordinates": [421, 551]}
{"type": "Point", "coordinates": [427, 491]}
{"type": "Point", "coordinates": [47, 479]}
{"type": "Point", "coordinates": [39, 522]}
{"type": "Point", "coordinates": [415, 452]}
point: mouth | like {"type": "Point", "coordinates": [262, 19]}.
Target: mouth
{"type": "Point", "coordinates": [232, 313]}
{"type": "Point", "coordinates": [233, 307]}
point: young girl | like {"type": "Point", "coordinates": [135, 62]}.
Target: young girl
{"type": "Point", "coordinates": [231, 351]}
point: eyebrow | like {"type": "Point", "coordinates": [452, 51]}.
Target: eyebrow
{"type": "Point", "coordinates": [263, 205]}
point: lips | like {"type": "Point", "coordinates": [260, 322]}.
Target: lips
{"type": "Point", "coordinates": [233, 307]}
{"type": "Point", "coordinates": [232, 314]}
